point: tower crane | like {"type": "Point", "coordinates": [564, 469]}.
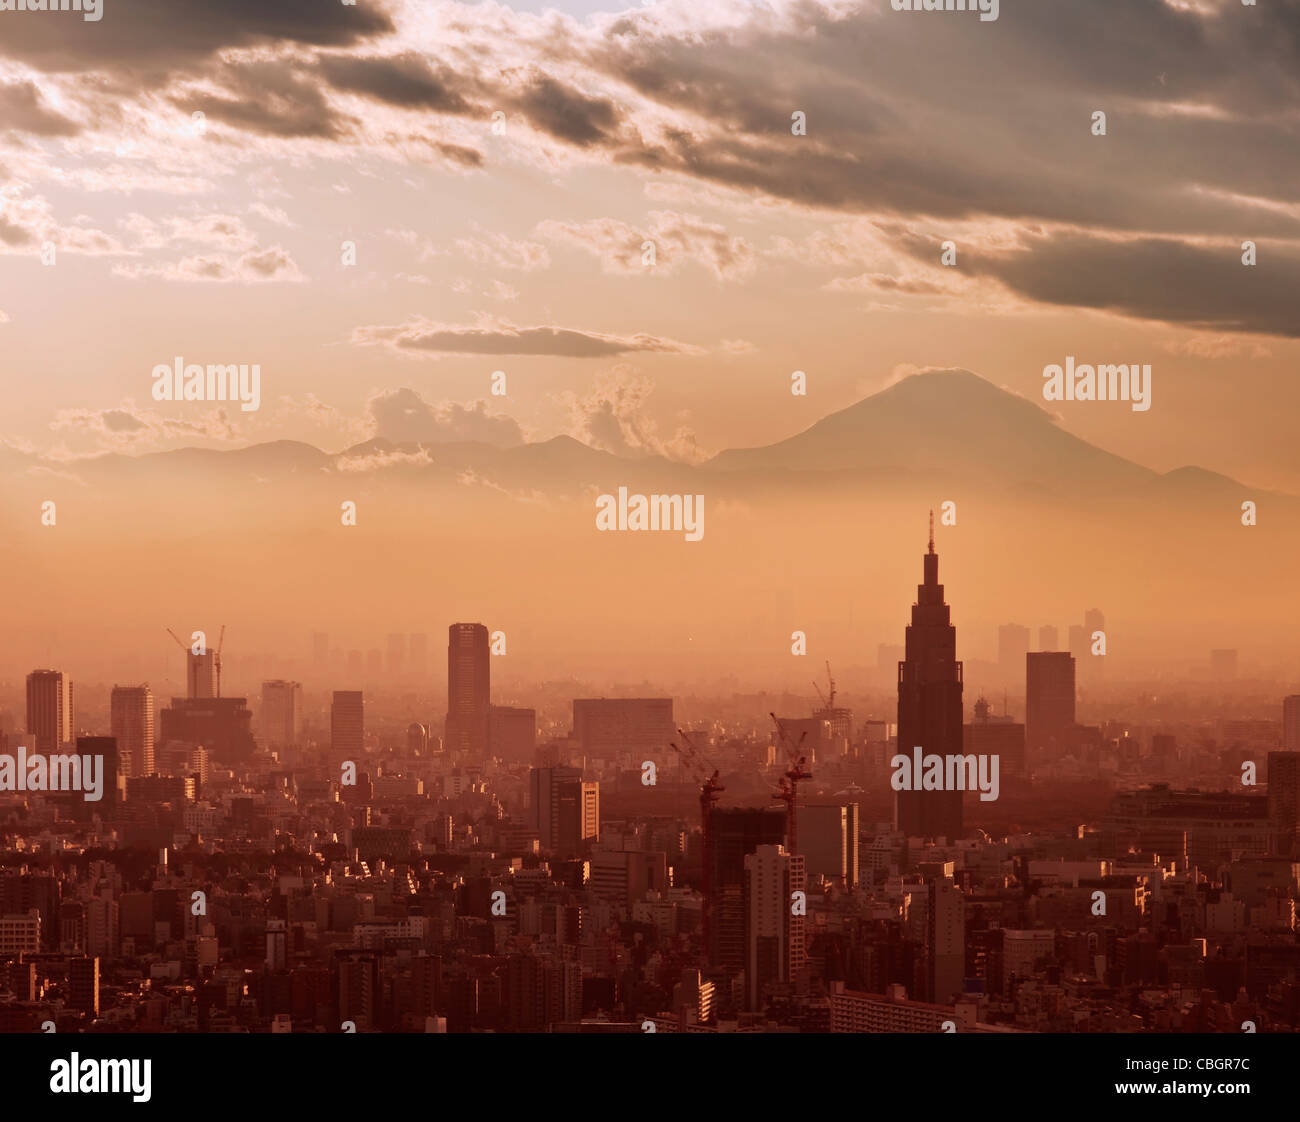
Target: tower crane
{"type": "Point", "coordinates": [710, 788]}
{"type": "Point", "coordinates": [794, 775]}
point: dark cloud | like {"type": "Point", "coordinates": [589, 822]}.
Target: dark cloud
{"type": "Point", "coordinates": [566, 113]}
{"type": "Point", "coordinates": [272, 100]}
{"type": "Point", "coordinates": [402, 80]}
{"type": "Point", "coordinates": [421, 337]}
{"type": "Point", "coordinates": [1151, 278]}
{"type": "Point", "coordinates": [157, 36]}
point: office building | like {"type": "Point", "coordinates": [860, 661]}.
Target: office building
{"type": "Point", "coordinates": [223, 725]}
{"type": "Point", "coordinates": [612, 725]}
{"type": "Point", "coordinates": [131, 721]}
{"type": "Point", "coordinates": [281, 717]}
{"type": "Point", "coordinates": [512, 733]}
{"type": "Point", "coordinates": [1049, 701]}
{"type": "Point", "coordinates": [991, 735]}
{"type": "Point", "coordinates": [49, 709]}
{"type": "Point", "coordinates": [775, 951]}
{"type": "Point", "coordinates": [347, 724]}
{"type": "Point", "coordinates": [828, 841]}
{"type": "Point", "coordinates": [930, 706]}
{"type": "Point", "coordinates": [469, 675]}
{"type": "Point", "coordinates": [735, 833]}
{"type": "Point", "coordinates": [564, 810]}
{"type": "Point", "coordinates": [83, 985]}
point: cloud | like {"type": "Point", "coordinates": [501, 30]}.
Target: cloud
{"type": "Point", "coordinates": [402, 416]}
{"type": "Point", "coordinates": [423, 337]}
{"type": "Point", "coordinates": [257, 266]}
{"type": "Point", "coordinates": [676, 238]}
{"type": "Point", "coordinates": [128, 427]}
{"type": "Point", "coordinates": [613, 418]}
{"type": "Point", "coordinates": [23, 109]}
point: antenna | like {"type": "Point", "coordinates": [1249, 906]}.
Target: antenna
{"type": "Point", "coordinates": [932, 531]}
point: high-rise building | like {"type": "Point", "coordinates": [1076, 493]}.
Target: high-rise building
{"type": "Point", "coordinates": [735, 833]}
{"type": "Point", "coordinates": [1284, 802]}
{"type": "Point", "coordinates": [347, 723]}
{"type": "Point", "coordinates": [775, 951]}
{"type": "Point", "coordinates": [990, 735]}
{"type": "Point", "coordinates": [1291, 723]}
{"type": "Point", "coordinates": [564, 810]}
{"type": "Point", "coordinates": [223, 725]}
{"type": "Point", "coordinates": [623, 724]}
{"type": "Point", "coordinates": [945, 937]}
{"type": "Point", "coordinates": [131, 721]}
{"type": "Point", "coordinates": [930, 706]}
{"type": "Point", "coordinates": [83, 985]}
{"type": "Point", "coordinates": [1049, 639]}
{"type": "Point", "coordinates": [1049, 701]}
{"type": "Point", "coordinates": [828, 841]}
{"type": "Point", "coordinates": [281, 717]}
{"type": "Point", "coordinates": [469, 676]}
{"type": "Point", "coordinates": [49, 709]}
{"type": "Point", "coordinates": [201, 673]}
{"type": "Point", "coordinates": [1013, 645]}
{"type": "Point", "coordinates": [1080, 642]}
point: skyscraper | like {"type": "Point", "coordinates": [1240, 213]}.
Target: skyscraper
{"type": "Point", "coordinates": [200, 674]}
{"type": "Point", "coordinates": [1284, 802]}
{"type": "Point", "coordinates": [945, 938]}
{"type": "Point", "coordinates": [131, 722]}
{"type": "Point", "coordinates": [347, 722]}
{"type": "Point", "coordinates": [930, 706]}
{"type": "Point", "coordinates": [49, 709]}
{"type": "Point", "coordinates": [281, 716]}
{"type": "Point", "coordinates": [468, 689]}
{"type": "Point", "coordinates": [565, 810]}
{"type": "Point", "coordinates": [736, 832]}
{"type": "Point", "coordinates": [775, 951]}
{"type": "Point", "coordinates": [1291, 723]}
{"type": "Point", "coordinates": [1049, 700]}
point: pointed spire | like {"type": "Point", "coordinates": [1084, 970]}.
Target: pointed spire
{"type": "Point", "coordinates": [932, 531]}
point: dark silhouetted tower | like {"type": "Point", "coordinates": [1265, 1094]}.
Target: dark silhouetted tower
{"type": "Point", "coordinates": [468, 689]}
{"type": "Point", "coordinates": [929, 706]}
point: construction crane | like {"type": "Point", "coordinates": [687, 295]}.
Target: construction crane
{"type": "Point", "coordinates": [794, 775]}
{"type": "Point", "coordinates": [221, 642]}
{"type": "Point", "coordinates": [827, 702]}
{"type": "Point", "coordinates": [710, 788]}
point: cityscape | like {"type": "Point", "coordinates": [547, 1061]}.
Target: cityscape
{"type": "Point", "coordinates": [285, 863]}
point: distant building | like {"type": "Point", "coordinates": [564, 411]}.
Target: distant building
{"type": "Point", "coordinates": [49, 709]}
{"type": "Point", "coordinates": [990, 735]}
{"type": "Point", "coordinates": [1049, 700]}
{"type": "Point", "coordinates": [616, 725]}
{"type": "Point", "coordinates": [565, 810]}
{"type": "Point", "coordinates": [131, 721]}
{"type": "Point", "coordinates": [347, 723]}
{"type": "Point", "coordinates": [1291, 723]}
{"type": "Point", "coordinates": [828, 839]}
{"type": "Point", "coordinates": [223, 725]}
{"type": "Point", "coordinates": [512, 733]}
{"type": "Point", "coordinates": [83, 985]}
{"type": "Point", "coordinates": [775, 950]}
{"type": "Point", "coordinates": [1284, 802]}
{"type": "Point", "coordinates": [281, 717]}
{"type": "Point", "coordinates": [469, 674]}
{"type": "Point", "coordinates": [1013, 645]}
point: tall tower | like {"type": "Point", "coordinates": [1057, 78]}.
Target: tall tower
{"type": "Point", "coordinates": [49, 709]}
{"type": "Point", "coordinates": [929, 706]}
{"type": "Point", "coordinates": [468, 689]}
{"type": "Point", "coordinates": [131, 722]}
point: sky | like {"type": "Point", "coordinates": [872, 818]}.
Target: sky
{"type": "Point", "coordinates": [671, 122]}
{"type": "Point", "coordinates": [205, 174]}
